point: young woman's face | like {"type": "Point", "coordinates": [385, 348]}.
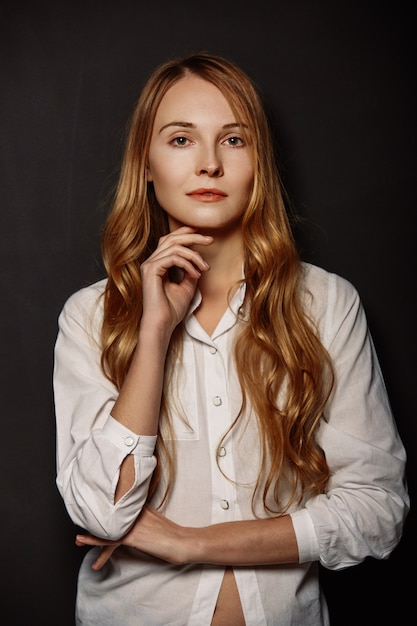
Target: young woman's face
{"type": "Point", "coordinates": [199, 162]}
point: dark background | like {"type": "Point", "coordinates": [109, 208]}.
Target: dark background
{"type": "Point", "coordinates": [339, 81]}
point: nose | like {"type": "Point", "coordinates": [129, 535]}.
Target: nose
{"type": "Point", "coordinates": [211, 170]}
{"type": "Point", "coordinates": [210, 164]}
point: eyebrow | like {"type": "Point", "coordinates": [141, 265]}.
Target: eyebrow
{"type": "Point", "coordinates": [191, 125]}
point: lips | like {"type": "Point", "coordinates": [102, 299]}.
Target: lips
{"type": "Point", "coordinates": [207, 195]}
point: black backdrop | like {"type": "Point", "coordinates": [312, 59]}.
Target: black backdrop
{"type": "Point", "coordinates": [338, 80]}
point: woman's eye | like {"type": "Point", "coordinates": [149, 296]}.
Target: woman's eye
{"type": "Point", "coordinates": [235, 141]}
{"type": "Point", "coordinates": [180, 141]}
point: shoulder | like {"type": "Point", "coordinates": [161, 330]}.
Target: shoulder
{"type": "Point", "coordinates": [86, 296]}
{"type": "Point", "coordinates": [328, 297]}
{"type": "Point", "coordinates": [323, 285]}
{"type": "Point", "coordinates": [85, 307]}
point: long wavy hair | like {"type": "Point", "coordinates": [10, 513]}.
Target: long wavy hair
{"type": "Point", "coordinates": [279, 347]}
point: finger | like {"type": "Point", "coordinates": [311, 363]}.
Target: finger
{"type": "Point", "coordinates": [91, 540]}
{"type": "Point", "coordinates": [103, 557]}
{"type": "Point", "coordinates": [184, 238]}
{"type": "Point", "coordinates": [176, 255]}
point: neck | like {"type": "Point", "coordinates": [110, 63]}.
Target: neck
{"type": "Point", "coordinates": [225, 258]}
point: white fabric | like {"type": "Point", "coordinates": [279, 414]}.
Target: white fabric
{"type": "Point", "coordinates": [360, 515]}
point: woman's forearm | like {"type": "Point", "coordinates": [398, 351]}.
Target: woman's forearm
{"type": "Point", "coordinates": [251, 542]}
{"type": "Point", "coordinates": [243, 542]}
{"type": "Point", "coordinates": [139, 401]}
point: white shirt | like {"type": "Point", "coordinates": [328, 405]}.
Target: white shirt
{"type": "Point", "coordinates": [361, 514]}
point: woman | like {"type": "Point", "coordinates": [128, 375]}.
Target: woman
{"type": "Point", "coordinates": [222, 421]}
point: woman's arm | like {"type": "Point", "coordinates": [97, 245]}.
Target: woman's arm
{"type": "Point", "coordinates": [164, 305]}
{"type": "Point", "coordinates": [251, 542]}
{"type": "Point", "coordinates": [138, 404]}
{"type": "Point", "coordinates": [106, 436]}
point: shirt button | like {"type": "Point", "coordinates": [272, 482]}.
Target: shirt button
{"type": "Point", "coordinates": [213, 349]}
{"type": "Point", "coordinates": [129, 441]}
{"type": "Point", "coordinates": [221, 451]}
{"type": "Point", "coordinates": [217, 400]}
{"type": "Point", "coordinates": [224, 504]}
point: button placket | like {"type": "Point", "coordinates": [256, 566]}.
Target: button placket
{"type": "Point", "coordinates": [223, 494]}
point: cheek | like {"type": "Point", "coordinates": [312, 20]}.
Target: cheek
{"type": "Point", "coordinates": [165, 185]}
{"type": "Point", "coordinates": [164, 171]}
{"type": "Point", "coordinates": [158, 176]}
{"type": "Point", "coordinates": [247, 179]}
{"type": "Point", "coordinates": [243, 171]}
{"type": "Point", "coordinates": [247, 187]}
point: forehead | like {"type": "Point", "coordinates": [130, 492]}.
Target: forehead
{"type": "Point", "coordinates": [194, 96]}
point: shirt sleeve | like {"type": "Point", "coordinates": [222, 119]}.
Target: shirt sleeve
{"type": "Point", "coordinates": [366, 502]}
{"type": "Point", "coordinates": [91, 445]}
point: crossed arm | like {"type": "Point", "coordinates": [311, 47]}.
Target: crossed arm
{"type": "Point", "coordinates": [251, 542]}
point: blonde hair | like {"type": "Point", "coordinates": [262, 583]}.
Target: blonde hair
{"type": "Point", "coordinates": [279, 346]}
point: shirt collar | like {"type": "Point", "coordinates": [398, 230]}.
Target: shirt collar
{"type": "Point", "coordinates": [234, 311]}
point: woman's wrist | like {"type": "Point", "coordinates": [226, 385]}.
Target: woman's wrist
{"type": "Point", "coordinates": [154, 337]}
{"type": "Point", "coordinates": [187, 547]}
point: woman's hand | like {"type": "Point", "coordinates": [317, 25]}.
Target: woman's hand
{"type": "Point", "coordinates": [170, 275]}
{"type": "Point", "coordinates": [165, 303]}
{"type": "Point", "coordinates": [152, 533]}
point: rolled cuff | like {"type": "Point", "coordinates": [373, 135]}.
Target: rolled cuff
{"type": "Point", "coordinates": [308, 545]}
{"type": "Point", "coordinates": [128, 441]}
